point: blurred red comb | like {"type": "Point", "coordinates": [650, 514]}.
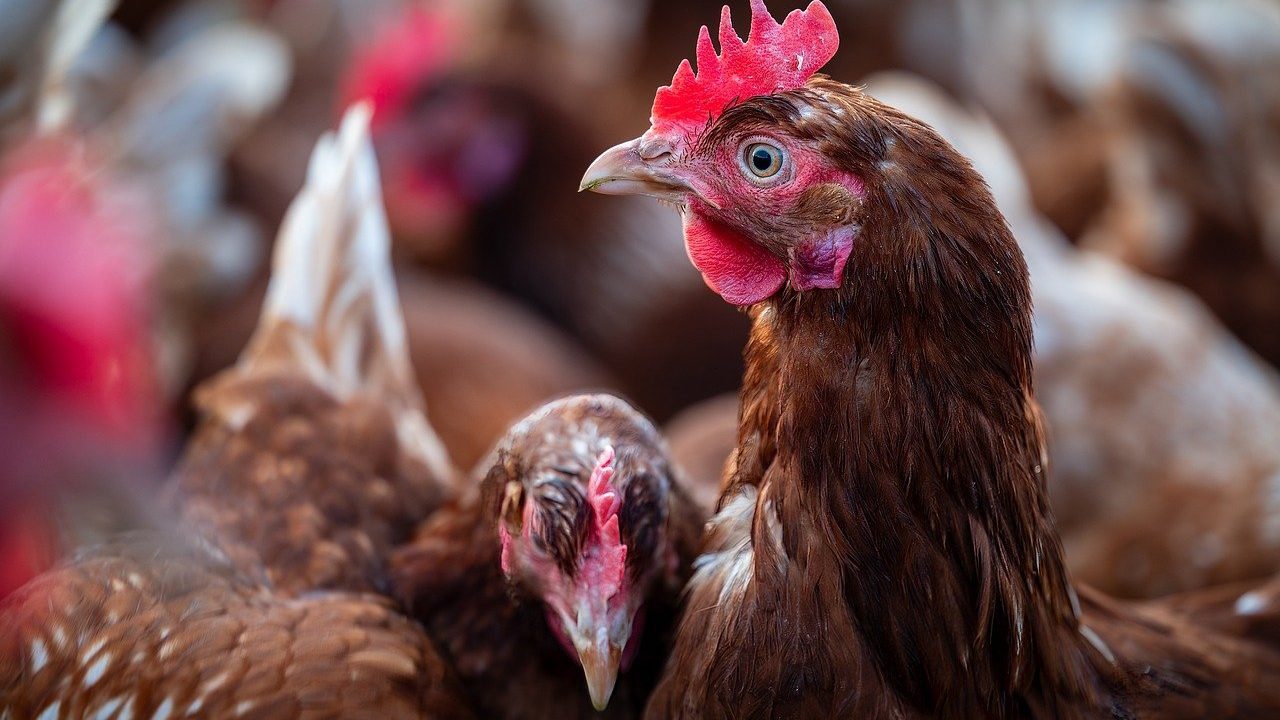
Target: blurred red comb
{"type": "Point", "coordinates": [774, 57]}
{"type": "Point", "coordinates": [391, 67]}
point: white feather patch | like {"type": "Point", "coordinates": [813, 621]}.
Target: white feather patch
{"type": "Point", "coordinates": [332, 311]}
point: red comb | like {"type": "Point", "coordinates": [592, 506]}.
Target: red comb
{"type": "Point", "coordinates": [774, 58]}
{"type": "Point", "coordinates": [600, 494]}
{"type": "Point", "coordinates": [608, 562]}
{"type": "Point", "coordinates": [391, 68]}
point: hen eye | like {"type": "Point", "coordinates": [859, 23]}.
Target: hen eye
{"type": "Point", "coordinates": [762, 160]}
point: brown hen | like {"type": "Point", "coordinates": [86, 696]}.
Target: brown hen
{"type": "Point", "coordinates": [313, 458]}
{"type": "Point", "coordinates": [884, 546]}
{"type": "Point", "coordinates": [1161, 425]}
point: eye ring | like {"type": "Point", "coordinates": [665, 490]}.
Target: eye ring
{"type": "Point", "coordinates": [762, 160]}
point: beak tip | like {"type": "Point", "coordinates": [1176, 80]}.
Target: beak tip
{"type": "Point", "coordinates": [601, 670]}
{"type": "Point", "coordinates": [600, 696]}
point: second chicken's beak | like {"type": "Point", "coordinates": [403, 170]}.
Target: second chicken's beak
{"type": "Point", "coordinates": [600, 659]}
{"type": "Point", "coordinates": [627, 169]}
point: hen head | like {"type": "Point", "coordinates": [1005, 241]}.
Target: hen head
{"type": "Point", "coordinates": [581, 490]}
{"type": "Point", "coordinates": [785, 178]}
{"type": "Point", "coordinates": [446, 145]}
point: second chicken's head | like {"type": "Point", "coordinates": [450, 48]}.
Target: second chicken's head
{"type": "Point", "coordinates": [582, 492]}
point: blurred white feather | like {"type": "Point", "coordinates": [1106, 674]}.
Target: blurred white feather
{"type": "Point", "coordinates": [203, 94]}
{"type": "Point", "coordinates": [182, 116]}
{"type": "Point", "coordinates": [332, 311]}
{"type": "Point", "coordinates": [74, 24]}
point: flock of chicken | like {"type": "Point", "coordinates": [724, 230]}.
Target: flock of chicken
{"type": "Point", "coordinates": [902, 513]}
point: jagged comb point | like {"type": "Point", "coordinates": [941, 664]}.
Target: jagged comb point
{"type": "Point", "coordinates": [610, 554]}
{"type": "Point", "coordinates": [600, 494]}
{"type": "Point", "coordinates": [775, 57]}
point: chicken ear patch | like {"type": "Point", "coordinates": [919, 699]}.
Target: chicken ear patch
{"type": "Point", "coordinates": [819, 263]}
{"type": "Point", "coordinates": [775, 57]}
{"type": "Point", "coordinates": [738, 270]}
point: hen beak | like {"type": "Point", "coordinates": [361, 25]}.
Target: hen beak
{"type": "Point", "coordinates": [600, 659]}
{"type": "Point", "coordinates": [633, 169]}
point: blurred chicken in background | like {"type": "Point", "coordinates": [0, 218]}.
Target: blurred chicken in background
{"type": "Point", "coordinates": [532, 236]}
{"type": "Point", "coordinates": [480, 166]}
{"type": "Point", "coordinates": [1195, 161]}
{"type": "Point", "coordinates": [79, 407]}
{"type": "Point", "coordinates": [81, 425]}
{"type": "Point", "coordinates": [1149, 132]}
{"type": "Point", "coordinates": [162, 114]}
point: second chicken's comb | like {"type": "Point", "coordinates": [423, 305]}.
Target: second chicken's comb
{"type": "Point", "coordinates": [606, 562]}
{"type": "Point", "coordinates": [775, 57]}
{"type": "Point", "coordinates": [604, 500]}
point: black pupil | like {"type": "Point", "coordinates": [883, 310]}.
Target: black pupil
{"type": "Point", "coordinates": [762, 159]}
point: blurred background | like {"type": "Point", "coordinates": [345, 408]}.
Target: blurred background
{"type": "Point", "coordinates": [151, 147]}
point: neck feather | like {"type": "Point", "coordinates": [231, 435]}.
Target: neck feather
{"type": "Point", "coordinates": [898, 415]}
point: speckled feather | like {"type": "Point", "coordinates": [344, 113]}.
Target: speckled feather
{"type": "Point", "coordinates": [318, 431]}
{"type": "Point", "coordinates": [150, 628]}
{"type": "Point", "coordinates": [312, 459]}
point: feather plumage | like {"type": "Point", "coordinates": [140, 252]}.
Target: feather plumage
{"type": "Point", "coordinates": [312, 460]}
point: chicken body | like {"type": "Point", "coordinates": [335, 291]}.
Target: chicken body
{"type": "Point", "coordinates": [313, 458]}
{"type": "Point", "coordinates": [340, 487]}
{"type": "Point", "coordinates": [492, 621]}
{"type": "Point", "coordinates": [150, 627]}
{"type": "Point", "coordinates": [884, 546]}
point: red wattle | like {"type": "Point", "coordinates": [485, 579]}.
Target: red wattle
{"type": "Point", "coordinates": [740, 271]}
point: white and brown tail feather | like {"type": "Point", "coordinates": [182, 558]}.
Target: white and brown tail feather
{"type": "Point", "coordinates": [332, 313]}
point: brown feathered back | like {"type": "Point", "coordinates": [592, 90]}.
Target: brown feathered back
{"type": "Point", "coordinates": [149, 626]}
{"type": "Point", "coordinates": [313, 458]}
{"type": "Point", "coordinates": [319, 428]}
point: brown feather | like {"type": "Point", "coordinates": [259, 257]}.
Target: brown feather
{"type": "Point", "coordinates": [153, 628]}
